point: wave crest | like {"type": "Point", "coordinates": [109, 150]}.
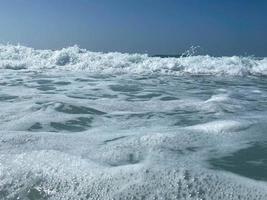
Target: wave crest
{"type": "Point", "coordinates": [74, 58]}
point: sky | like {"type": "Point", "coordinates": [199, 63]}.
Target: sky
{"type": "Point", "coordinates": [219, 27]}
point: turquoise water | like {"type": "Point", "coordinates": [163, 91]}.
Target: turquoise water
{"type": "Point", "coordinates": [87, 134]}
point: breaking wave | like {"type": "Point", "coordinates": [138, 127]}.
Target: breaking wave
{"type": "Point", "coordinates": [74, 58]}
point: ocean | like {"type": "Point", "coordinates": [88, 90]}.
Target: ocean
{"type": "Point", "coordinates": [76, 124]}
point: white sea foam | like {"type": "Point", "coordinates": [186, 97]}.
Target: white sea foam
{"type": "Point", "coordinates": [74, 58]}
{"type": "Point", "coordinates": [79, 135]}
{"type": "Point", "coordinates": [219, 127]}
{"type": "Point", "coordinates": [144, 165]}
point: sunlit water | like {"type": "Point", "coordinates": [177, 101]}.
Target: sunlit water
{"type": "Point", "coordinates": [130, 134]}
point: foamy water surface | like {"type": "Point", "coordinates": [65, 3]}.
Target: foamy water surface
{"type": "Point", "coordinates": [76, 124]}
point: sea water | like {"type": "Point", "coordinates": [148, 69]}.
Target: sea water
{"type": "Point", "coordinates": [76, 124]}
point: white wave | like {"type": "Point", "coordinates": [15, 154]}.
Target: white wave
{"type": "Point", "coordinates": [74, 58]}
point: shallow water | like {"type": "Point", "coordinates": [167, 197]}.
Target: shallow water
{"type": "Point", "coordinates": [75, 134]}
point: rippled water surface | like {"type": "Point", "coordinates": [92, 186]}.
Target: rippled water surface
{"type": "Point", "coordinates": [74, 134]}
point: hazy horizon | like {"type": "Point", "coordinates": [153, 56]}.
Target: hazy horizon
{"type": "Point", "coordinates": [153, 27]}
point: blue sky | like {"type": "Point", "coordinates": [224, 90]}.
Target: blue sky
{"type": "Point", "coordinates": [219, 27]}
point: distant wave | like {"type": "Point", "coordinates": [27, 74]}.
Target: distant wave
{"type": "Point", "coordinates": [74, 58]}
